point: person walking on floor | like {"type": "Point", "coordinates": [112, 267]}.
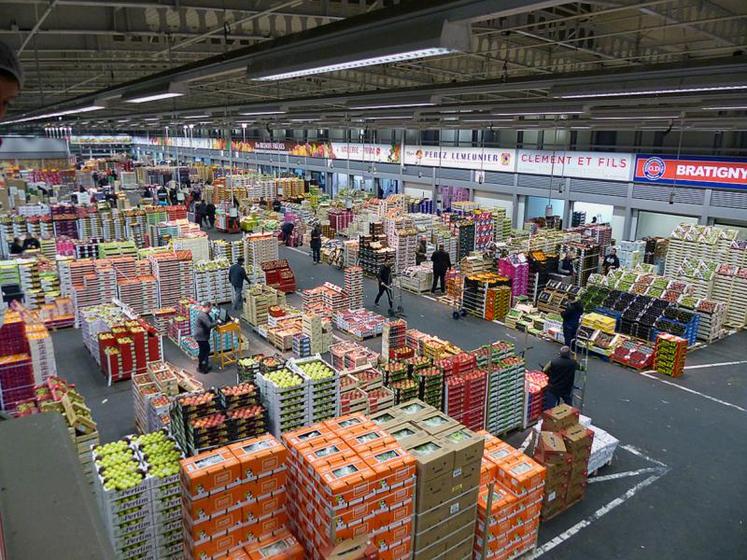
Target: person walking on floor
{"type": "Point", "coordinates": [316, 244]}
{"type": "Point", "coordinates": [287, 229]}
{"type": "Point", "coordinates": [201, 213]}
{"type": "Point", "coordinates": [385, 279]}
{"type": "Point", "coordinates": [236, 276]}
{"type": "Point", "coordinates": [420, 252]}
{"type": "Point", "coordinates": [561, 372]}
{"type": "Point", "coordinates": [441, 264]}
{"type": "Point", "coordinates": [203, 327]}
{"type": "Point", "coordinates": [571, 318]}
{"type": "Point", "coordinates": [210, 213]}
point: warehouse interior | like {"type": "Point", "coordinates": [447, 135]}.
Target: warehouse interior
{"type": "Point", "coordinates": [333, 153]}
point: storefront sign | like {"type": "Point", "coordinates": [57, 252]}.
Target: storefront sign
{"type": "Point", "coordinates": [484, 159]}
{"type": "Point", "coordinates": [584, 165]}
{"type": "Point", "coordinates": [692, 172]}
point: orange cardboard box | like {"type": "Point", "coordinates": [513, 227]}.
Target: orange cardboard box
{"type": "Point", "coordinates": [203, 508]}
{"type": "Point", "coordinates": [261, 508]}
{"type": "Point", "coordinates": [348, 481]}
{"type": "Point", "coordinates": [392, 515]}
{"type": "Point", "coordinates": [209, 471]}
{"type": "Point", "coordinates": [302, 439]}
{"type": "Point", "coordinates": [259, 455]}
{"type": "Point", "coordinates": [216, 525]}
{"type": "Point", "coordinates": [264, 486]}
{"type": "Point", "coordinates": [264, 527]}
{"type": "Point", "coordinates": [521, 475]}
{"type": "Point", "coordinates": [220, 544]}
{"type": "Point", "coordinates": [393, 533]}
{"type": "Point", "coordinates": [282, 546]}
{"type": "Point", "coordinates": [364, 438]}
{"type": "Point", "coordinates": [397, 495]}
{"type": "Point", "coordinates": [487, 471]}
{"type": "Point", "coordinates": [501, 451]}
{"type": "Point", "coordinates": [238, 554]}
{"type": "Point", "coordinates": [396, 552]}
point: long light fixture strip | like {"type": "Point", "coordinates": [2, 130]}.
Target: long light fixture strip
{"type": "Point", "coordinates": [360, 63]}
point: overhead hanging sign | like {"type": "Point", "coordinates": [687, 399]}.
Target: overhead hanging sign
{"type": "Point", "coordinates": [608, 166]}
{"type": "Point", "coordinates": [484, 159]}
{"type": "Point", "coordinates": [727, 173]}
{"type": "Point", "coordinates": [105, 139]}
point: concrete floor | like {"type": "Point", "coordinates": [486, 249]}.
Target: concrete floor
{"type": "Point", "coordinates": [676, 488]}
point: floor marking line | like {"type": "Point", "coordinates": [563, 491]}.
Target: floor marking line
{"type": "Point", "coordinates": [635, 451]}
{"type": "Point", "coordinates": [625, 474]}
{"type": "Point", "coordinates": [598, 514]}
{"type": "Point", "coordinates": [703, 366]}
{"type": "Point", "coordinates": [693, 391]}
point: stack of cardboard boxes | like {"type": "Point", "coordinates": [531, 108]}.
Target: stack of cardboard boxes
{"type": "Point", "coordinates": [448, 459]}
{"type": "Point", "coordinates": [512, 487]}
{"type": "Point", "coordinates": [233, 499]}
{"type": "Point", "coordinates": [348, 478]}
{"type": "Point", "coordinates": [563, 447]}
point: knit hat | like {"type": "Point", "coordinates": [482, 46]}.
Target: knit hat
{"type": "Point", "coordinates": [9, 62]}
{"type": "Point", "coordinates": [565, 351]}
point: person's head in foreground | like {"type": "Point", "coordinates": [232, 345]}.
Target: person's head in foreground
{"type": "Point", "coordinates": [565, 352]}
{"type": "Point", "coordinates": [440, 247]}
{"type": "Point", "coordinates": [11, 77]}
{"type": "Point", "coordinates": [240, 260]}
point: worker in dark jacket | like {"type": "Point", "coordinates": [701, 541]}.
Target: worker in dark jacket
{"type": "Point", "coordinates": [441, 264]}
{"type": "Point", "coordinates": [420, 252]}
{"type": "Point", "coordinates": [316, 244]}
{"type": "Point", "coordinates": [385, 280]}
{"type": "Point", "coordinates": [200, 212]}
{"type": "Point", "coordinates": [571, 318]}
{"type": "Point", "coordinates": [31, 242]}
{"type": "Point", "coordinates": [236, 276]}
{"type": "Point", "coordinates": [611, 261]}
{"type": "Point", "coordinates": [16, 248]}
{"type": "Point", "coordinates": [561, 372]}
{"type": "Point", "coordinates": [210, 213]}
{"type": "Point", "coordinates": [203, 327]}
{"type": "Point", "coordinates": [287, 229]}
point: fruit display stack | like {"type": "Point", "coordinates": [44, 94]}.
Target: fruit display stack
{"type": "Point", "coordinates": [636, 354]}
{"type": "Point", "coordinates": [430, 385]}
{"type": "Point", "coordinates": [352, 397]}
{"type": "Point", "coordinates": [447, 459]}
{"type": "Point", "coordinates": [139, 293]}
{"type": "Point", "coordinates": [351, 355]}
{"type": "Point", "coordinates": [361, 323]}
{"type": "Point", "coordinates": [323, 384]}
{"type": "Point", "coordinates": [353, 286]}
{"type": "Point", "coordinates": [536, 385]}
{"type": "Point", "coordinates": [512, 487]}
{"type": "Point", "coordinates": [284, 394]}
{"type": "Point", "coordinates": [563, 447]}
{"type": "Point", "coordinates": [312, 328]}
{"type": "Point", "coordinates": [393, 336]}
{"type": "Point", "coordinates": [373, 250]}
{"type": "Point", "coordinates": [248, 367]}
{"type": "Point", "coordinates": [211, 281]}
{"type": "Point", "coordinates": [669, 354]}
{"type": "Point", "coordinates": [516, 268]}
{"type": "Point", "coordinates": [484, 229]}
{"type": "Point", "coordinates": [505, 396]}
{"type": "Point", "coordinates": [348, 477]}
{"type": "Point", "coordinates": [465, 391]}
{"type": "Point", "coordinates": [137, 488]}
{"type": "Point", "coordinates": [260, 248]}
{"type": "Point", "coordinates": [229, 250]}
{"type": "Point", "coordinates": [497, 303]}
{"type": "Point", "coordinates": [279, 275]}
{"type": "Point", "coordinates": [257, 302]}
{"type": "Point", "coordinates": [234, 501]}
{"type": "Point", "coordinates": [175, 276]}
{"type": "Point", "coordinates": [127, 349]}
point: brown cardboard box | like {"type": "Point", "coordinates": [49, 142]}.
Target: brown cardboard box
{"type": "Point", "coordinates": [434, 458]}
{"type": "Point", "coordinates": [447, 508]}
{"type": "Point", "coordinates": [386, 418]}
{"type": "Point", "coordinates": [462, 550]}
{"type": "Point", "coordinates": [435, 491]}
{"type": "Point", "coordinates": [435, 422]}
{"type": "Point", "coordinates": [446, 534]}
{"type": "Point", "coordinates": [468, 446]}
{"type": "Point", "coordinates": [405, 433]}
{"type": "Point", "coordinates": [559, 418]}
{"type": "Point", "coordinates": [577, 439]}
{"type": "Point", "coordinates": [412, 409]}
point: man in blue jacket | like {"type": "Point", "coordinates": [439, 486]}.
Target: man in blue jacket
{"type": "Point", "coordinates": [571, 319]}
{"type": "Point", "coordinates": [236, 276]}
{"type": "Point", "coordinates": [203, 327]}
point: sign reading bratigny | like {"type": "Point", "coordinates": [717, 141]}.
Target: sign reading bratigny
{"type": "Point", "coordinates": [692, 171]}
{"type": "Point", "coordinates": [584, 165]}
{"type": "Point", "coordinates": [486, 159]}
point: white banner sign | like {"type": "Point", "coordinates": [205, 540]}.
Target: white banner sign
{"type": "Point", "coordinates": [484, 159]}
{"type": "Point", "coordinates": [378, 153]}
{"type": "Point", "coordinates": [585, 165]}
{"type": "Point", "coordinates": [113, 139]}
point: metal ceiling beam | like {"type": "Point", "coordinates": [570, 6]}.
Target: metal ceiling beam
{"type": "Point", "coordinates": [37, 25]}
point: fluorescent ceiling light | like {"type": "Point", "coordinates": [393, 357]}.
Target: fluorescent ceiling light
{"type": "Point", "coordinates": [173, 90]}
{"type": "Point", "coordinates": [635, 117]}
{"type": "Point", "coordinates": [393, 106]}
{"type": "Point", "coordinates": [360, 63]}
{"type": "Point", "coordinates": [684, 89]}
{"type": "Point", "coordinates": [87, 109]}
{"type": "Point", "coordinates": [385, 118]}
{"type": "Point", "coordinates": [263, 113]}
{"type": "Point", "coordinates": [724, 108]}
{"type": "Point", "coordinates": [526, 113]}
{"type": "Point", "coordinates": [152, 119]}
{"type": "Point", "coordinates": [196, 116]}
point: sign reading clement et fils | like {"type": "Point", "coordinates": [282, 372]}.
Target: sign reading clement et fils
{"type": "Point", "coordinates": [722, 173]}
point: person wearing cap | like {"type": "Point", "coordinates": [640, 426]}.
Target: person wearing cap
{"type": "Point", "coordinates": [203, 327]}
{"type": "Point", "coordinates": [11, 77]}
{"type": "Point", "coordinates": [236, 276]}
{"type": "Point", "coordinates": [561, 373]}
